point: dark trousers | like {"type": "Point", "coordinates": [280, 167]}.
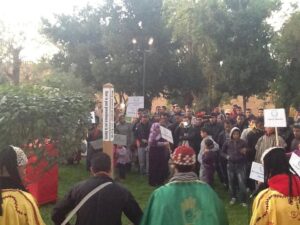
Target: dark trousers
{"type": "Point", "coordinates": [250, 182]}
{"type": "Point", "coordinates": [220, 165]}
{"type": "Point", "coordinates": [158, 166]}
{"type": "Point", "coordinates": [237, 172]}
{"type": "Point", "coordinates": [90, 154]}
{"type": "Point", "coordinates": [122, 170]}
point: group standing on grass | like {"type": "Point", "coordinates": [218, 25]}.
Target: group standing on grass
{"type": "Point", "coordinates": [223, 143]}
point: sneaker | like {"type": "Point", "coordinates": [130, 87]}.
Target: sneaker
{"type": "Point", "coordinates": [244, 204]}
{"type": "Point", "coordinates": [232, 201]}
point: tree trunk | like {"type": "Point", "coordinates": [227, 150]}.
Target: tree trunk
{"type": "Point", "coordinates": [16, 65]}
{"type": "Point", "coordinates": [188, 99]}
{"type": "Point", "coordinates": [148, 102]}
{"type": "Point", "coordinates": [245, 100]}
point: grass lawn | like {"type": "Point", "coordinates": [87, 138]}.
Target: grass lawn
{"type": "Point", "coordinates": [69, 175]}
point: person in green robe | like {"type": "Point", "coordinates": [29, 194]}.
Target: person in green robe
{"type": "Point", "coordinates": [185, 200]}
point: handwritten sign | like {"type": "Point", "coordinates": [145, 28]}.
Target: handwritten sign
{"type": "Point", "coordinates": [120, 139]}
{"type": "Point", "coordinates": [257, 172]}
{"type": "Point", "coordinates": [295, 163]}
{"type": "Point", "coordinates": [134, 103]}
{"type": "Point", "coordinates": [108, 114]}
{"type": "Point", "coordinates": [275, 118]}
{"type": "Point", "coordinates": [166, 134]}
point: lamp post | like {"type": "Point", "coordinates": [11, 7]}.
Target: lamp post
{"type": "Point", "coordinates": [145, 51]}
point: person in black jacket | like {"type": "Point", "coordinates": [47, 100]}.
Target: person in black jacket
{"type": "Point", "coordinates": [186, 132]}
{"type": "Point", "coordinates": [103, 208]}
{"type": "Point", "coordinates": [141, 133]}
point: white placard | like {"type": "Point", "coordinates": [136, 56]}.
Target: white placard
{"type": "Point", "coordinates": [275, 118]}
{"type": "Point", "coordinates": [120, 139]}
{"type": "Point", "coordinates": [166, 134]}
{"type": "Point", "coordinates": [108, 114]}
{"type": "Point", "coordinates": [134, 103]}
{"type": "Point", "coordinates": [93, 117]}
{"type": "Point", "coordinates": [257, 172]}
{"type": "Point", "coordinates": [295, 163]}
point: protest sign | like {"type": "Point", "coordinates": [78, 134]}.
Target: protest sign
{"type": "Point", "coordinates": [134, 103]}
{"type": "Point", "coordinates": [295, 163]}
{"type": "Point", "coordinates": [166, 134]}
{"type": "Point", "coordinates": [120, 139]}
{"type": "Point", "coordinates": [274, 118]}
{"type": "Point", "coordinates": [93, 117]}
{"type": "Point", "coordinates": [257, 172]}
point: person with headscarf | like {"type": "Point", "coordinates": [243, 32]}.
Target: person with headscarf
{"type": "Point", "coordinates": [158, 156]}
{"type": "Point", "coordinates": [185, 199]}
{"type": "Point", "coordinates": [17, 206]}
{"type": "Point", "coordinates": [279, 202]}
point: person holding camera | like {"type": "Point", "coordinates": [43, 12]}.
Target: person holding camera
{"type": "Point", "coordinates": [186, 133]}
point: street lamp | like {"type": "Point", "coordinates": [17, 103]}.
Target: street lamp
{"type": "Point", "coordinates": [134, 41]}
{"type": "Point", "coordinates": [145, 51]}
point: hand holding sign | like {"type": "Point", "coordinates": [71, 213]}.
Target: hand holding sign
{"type": "Point", "coordinates": [166, 134]}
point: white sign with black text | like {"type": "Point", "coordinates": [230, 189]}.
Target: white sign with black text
{"type": "Point", "coordinates": [108, 114]}
{"type": "Point", "coordinates": [120, 139]}
{"type": "Point", "coordinates": [166, 134]}
{"type": "Point", "coordinates": [134, 103]}
{"type": "Point", "coordinates": [257, 172]}
{"type": "Point", "coordinates": [275, 118]}
{"type": "Point", "coordinates": [295, 163]}
{"type": "Point", "coordinates": [93, 117]}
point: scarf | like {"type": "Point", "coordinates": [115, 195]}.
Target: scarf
{"type": "Point", "coordinates": [155, 134]}
{"type": "Point", "coordinates": [280, 183]}
{"type": "Point", "coordinates": [182, 177]}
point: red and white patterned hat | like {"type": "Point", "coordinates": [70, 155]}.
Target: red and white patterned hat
{"type": "Point", "coordinates": [184, 155]}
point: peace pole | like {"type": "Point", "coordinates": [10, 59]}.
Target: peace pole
{"type": "Point", "coordinates": [108, 121]}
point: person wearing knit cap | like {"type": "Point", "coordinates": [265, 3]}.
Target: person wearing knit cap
{"type": "Point", "coordinates": [279, 202]}
{"type": "Point", "coordinates": [17, 206]}
{"type": "Point", "coordinates": [184, 199]}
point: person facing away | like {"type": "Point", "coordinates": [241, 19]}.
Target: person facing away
{"type": "Point", "coordinates": [279, 203]}
{"type": "Point", "coordinates": [208, 161]}
{"type": "Point", "coordinates": [205, 136]}
{"type": "Point", "coordinates": [103, 208]}
{"type": "Point", "coordinates": [17, 206]}
{"type": "Point", "coordinates": [184, 199]}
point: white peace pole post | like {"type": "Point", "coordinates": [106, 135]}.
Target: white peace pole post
{"type": "Point", "coordinates": [108, 121]}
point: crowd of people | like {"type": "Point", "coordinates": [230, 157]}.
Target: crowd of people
{"type": "Point", "coordinates": [220, 144]}
{"type": "Point", "coordinates": [226, 142]}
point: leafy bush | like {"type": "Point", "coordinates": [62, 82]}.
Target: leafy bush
{"type": "Point", "coordinates": [29, 113]}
